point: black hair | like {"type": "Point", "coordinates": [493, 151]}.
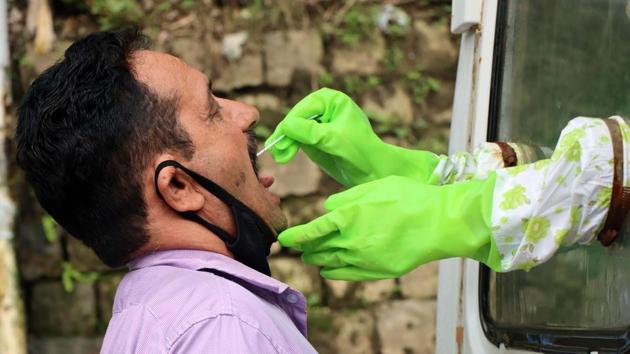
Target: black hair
{"type": "Point", "coordinates": [86, 132]}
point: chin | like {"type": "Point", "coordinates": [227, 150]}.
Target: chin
{"type": "Point", "coordinates": [280, 222]}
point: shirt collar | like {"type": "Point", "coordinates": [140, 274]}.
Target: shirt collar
{"type": "Point", "coordinates": [197, 259]}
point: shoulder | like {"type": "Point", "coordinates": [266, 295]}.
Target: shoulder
{"type": "Point", "coordinates": [170, 302]}
{"type": "Point", "coordinates": [225, 334]}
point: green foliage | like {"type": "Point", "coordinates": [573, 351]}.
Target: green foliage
{"type": "Point", "coordinates": [325, 78]}
{"type": "Point", "coordinates": [356, 26]}
{"type": "Point", "coordinates": [70, 274]}
{"type": "Point", "coordinates": [442, 13]}
{"type": "Point", "coordinates": [393, 57]}
{"type": "Point", "coordinates": [188, 4]}
{"type": "Point", "coordinates": [356, 85]}
{"type": "Point", "coordinates": [321, 320]}
{"type": "Point", "coordinates": [420, 84]}
{"type": "Point", "coordinates": [164, 6]}
{"type": "Point", "coordinates": [313, 300]}
{"type": "Point", "coordinates": [114, 13]}
{"type": "Point", "coordinates": [51, 229]}
{"type": "Point", "coordinates": [262, 131]}
{"type": "Point", "coordinates": [389, 124]}
{"type": "Point", "coordinates": [111, 13]}
{"type": "Point", "coordinates": [397, 31]}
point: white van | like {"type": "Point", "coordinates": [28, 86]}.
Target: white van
{"type": "Point", "coordinates": [526, 68]}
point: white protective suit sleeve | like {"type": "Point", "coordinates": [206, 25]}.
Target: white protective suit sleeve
{"type": "Point", "coordinates": [559, 201]}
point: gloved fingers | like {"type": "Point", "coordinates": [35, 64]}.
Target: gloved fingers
{"type": "Point", "coordinates": [278, 132]}
{"type": "Point", "coordinates": [285, 149]}
{"type": "Point", "coordinates": [351, 273]}
{"type": "Point", "coordinates": [313, 103]}
{"type": "Point", "coordinates": [347, 197]}
{"type": "Point", "coordinates": [328, 258]}
{"type": "Point", "coordinates": [285, 155]}
{"type": "Point", "coordinates": [332, 241]}
{"type": "Point", "coordinates": [326, 162]}
{"type": "Point", "coordinates": [304, 131]}
{"type": "Point", "coordinates": [295, 236]}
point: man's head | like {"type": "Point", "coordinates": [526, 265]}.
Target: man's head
{"type": "Point", "coordinates": [93, 128]}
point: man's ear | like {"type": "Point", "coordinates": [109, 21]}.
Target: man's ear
{"type": "Point", "coordinates": [178, 190]}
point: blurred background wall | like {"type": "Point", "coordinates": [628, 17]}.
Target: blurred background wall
{"type": "Point", "coordinates": [395, 58]}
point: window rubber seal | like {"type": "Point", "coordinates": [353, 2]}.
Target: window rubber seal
{"type": "Point", "coordinates": [541, 339]}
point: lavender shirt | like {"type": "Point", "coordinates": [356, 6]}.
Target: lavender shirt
{"type": "Point", "coordinates": [165, 305]}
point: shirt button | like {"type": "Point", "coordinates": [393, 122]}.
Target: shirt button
{"type": "Point", "coordinates": [292, 298]}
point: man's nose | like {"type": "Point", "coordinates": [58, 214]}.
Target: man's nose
{"type": "Point", "coordinates": [241, 114]}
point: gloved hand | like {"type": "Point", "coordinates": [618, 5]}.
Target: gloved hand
{"type": "Point", "coordinates": [343, 143]}
{"type": "Point", "coordinates": [388, 227]}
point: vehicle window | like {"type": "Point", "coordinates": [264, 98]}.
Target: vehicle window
{"type": "Point", "coordinates": [561, 59]}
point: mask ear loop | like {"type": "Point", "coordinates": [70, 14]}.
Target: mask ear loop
{"type": "Point", "coordinates": [222, 234]}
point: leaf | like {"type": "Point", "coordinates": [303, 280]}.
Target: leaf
{"type": "Point", "coordinates": [70, 274]}
{"type": "Point", "coordinates": [50, 228]}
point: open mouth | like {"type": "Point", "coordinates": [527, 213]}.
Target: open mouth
{"type": "Point", "coordinates": [252, 148]}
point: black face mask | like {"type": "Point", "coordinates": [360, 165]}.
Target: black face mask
{"type": "Point", "coordinates": [253, 239]}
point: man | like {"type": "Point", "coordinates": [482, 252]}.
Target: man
{"type": "Point", "coordinates": [405, 208]}
{"type": "Point", "coordinates": [131, 153]}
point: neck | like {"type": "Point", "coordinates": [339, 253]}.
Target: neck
{"type": "Point", "coordinates": [182, 234]}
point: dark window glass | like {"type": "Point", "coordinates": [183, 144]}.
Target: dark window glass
{"type": "Point", "coordinates": [561, 59]}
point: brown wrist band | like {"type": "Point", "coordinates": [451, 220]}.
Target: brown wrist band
{"type": "Point", "coordinates": [509, 155]}
{"type": "Point", "coordinates": [620, 197]}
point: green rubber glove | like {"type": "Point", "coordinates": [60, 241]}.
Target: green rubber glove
{"type": "Point", "coordinates": [388, 227]}
{"type": "Point", "coordinates": [343, 143]}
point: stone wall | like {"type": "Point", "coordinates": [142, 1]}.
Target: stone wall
{"type": "Point", "coordinates": [398, 63]}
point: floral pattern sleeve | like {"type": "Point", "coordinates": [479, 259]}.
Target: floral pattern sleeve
{"type": "Point", "coordinates": [487, 157]}
{"type": "Point", "coordinates": [556, 202]}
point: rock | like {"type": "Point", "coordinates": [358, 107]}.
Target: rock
{"type": "Point", "coordinates": [421, 283]}
{"type": "Point", "coordinates": [354, 332]}
{"type": "Point", "coordinates": [77, 27]}
{"type": "Point", "coordinates": [36, 256]}
{"type": "Point", "coordinates": [390, 14]}
{"type": "Point", "coordinates": [397, 106]}
{"type": "Point", "coordinates": [376, 291]}
{"type": "Point", "coordinates": [339, 289]}
{"type": "Point", "coordinates": [321, 330]}
{"type": "Point", "coordinates": [64, 345]}
{"type": "Point", "coordinates": [343, 294]}
{"type": "Point", "coordinates": [442, 99]}
{"type": "Point", "coordinates": [442, 118]}
{"type": "Point", "coordinates": [348, 332]}
{"type": "Point", "coordinates": [434, 140]}
{"type": "Point", "coordinates": [83, 258]}
{"type": "Point", "coordinates": [286, 52]}
{"type": "Point", "coordinates": [40, 62]}
{"type": "Point", "coordinates": [438, 51]}
{"type": "Point", "coordinates": [245, 72]}
{"type": "Point", "coordinates": [270, 108]}
{"type": "Point", "coordinates": [364, 58]}
{"type": "Point", "coordinates": [262, 101]}
{"type": "Point", "coordinates": [191, 51]}
{"type": "Point", "coordinates": [397, 141]}
{"type": "Point", "coordinates": [406, 326]}
{"type": "Point", "coordinates": [53, 311]}
{"type": "Point", "coordinates": [296, 274]}
{"type": "Point", "coordinates": [106, 288]}
{"type": "Point", "coordinates": [300, 177]}
{"type": "Point", "coordinates": [233, 45]}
